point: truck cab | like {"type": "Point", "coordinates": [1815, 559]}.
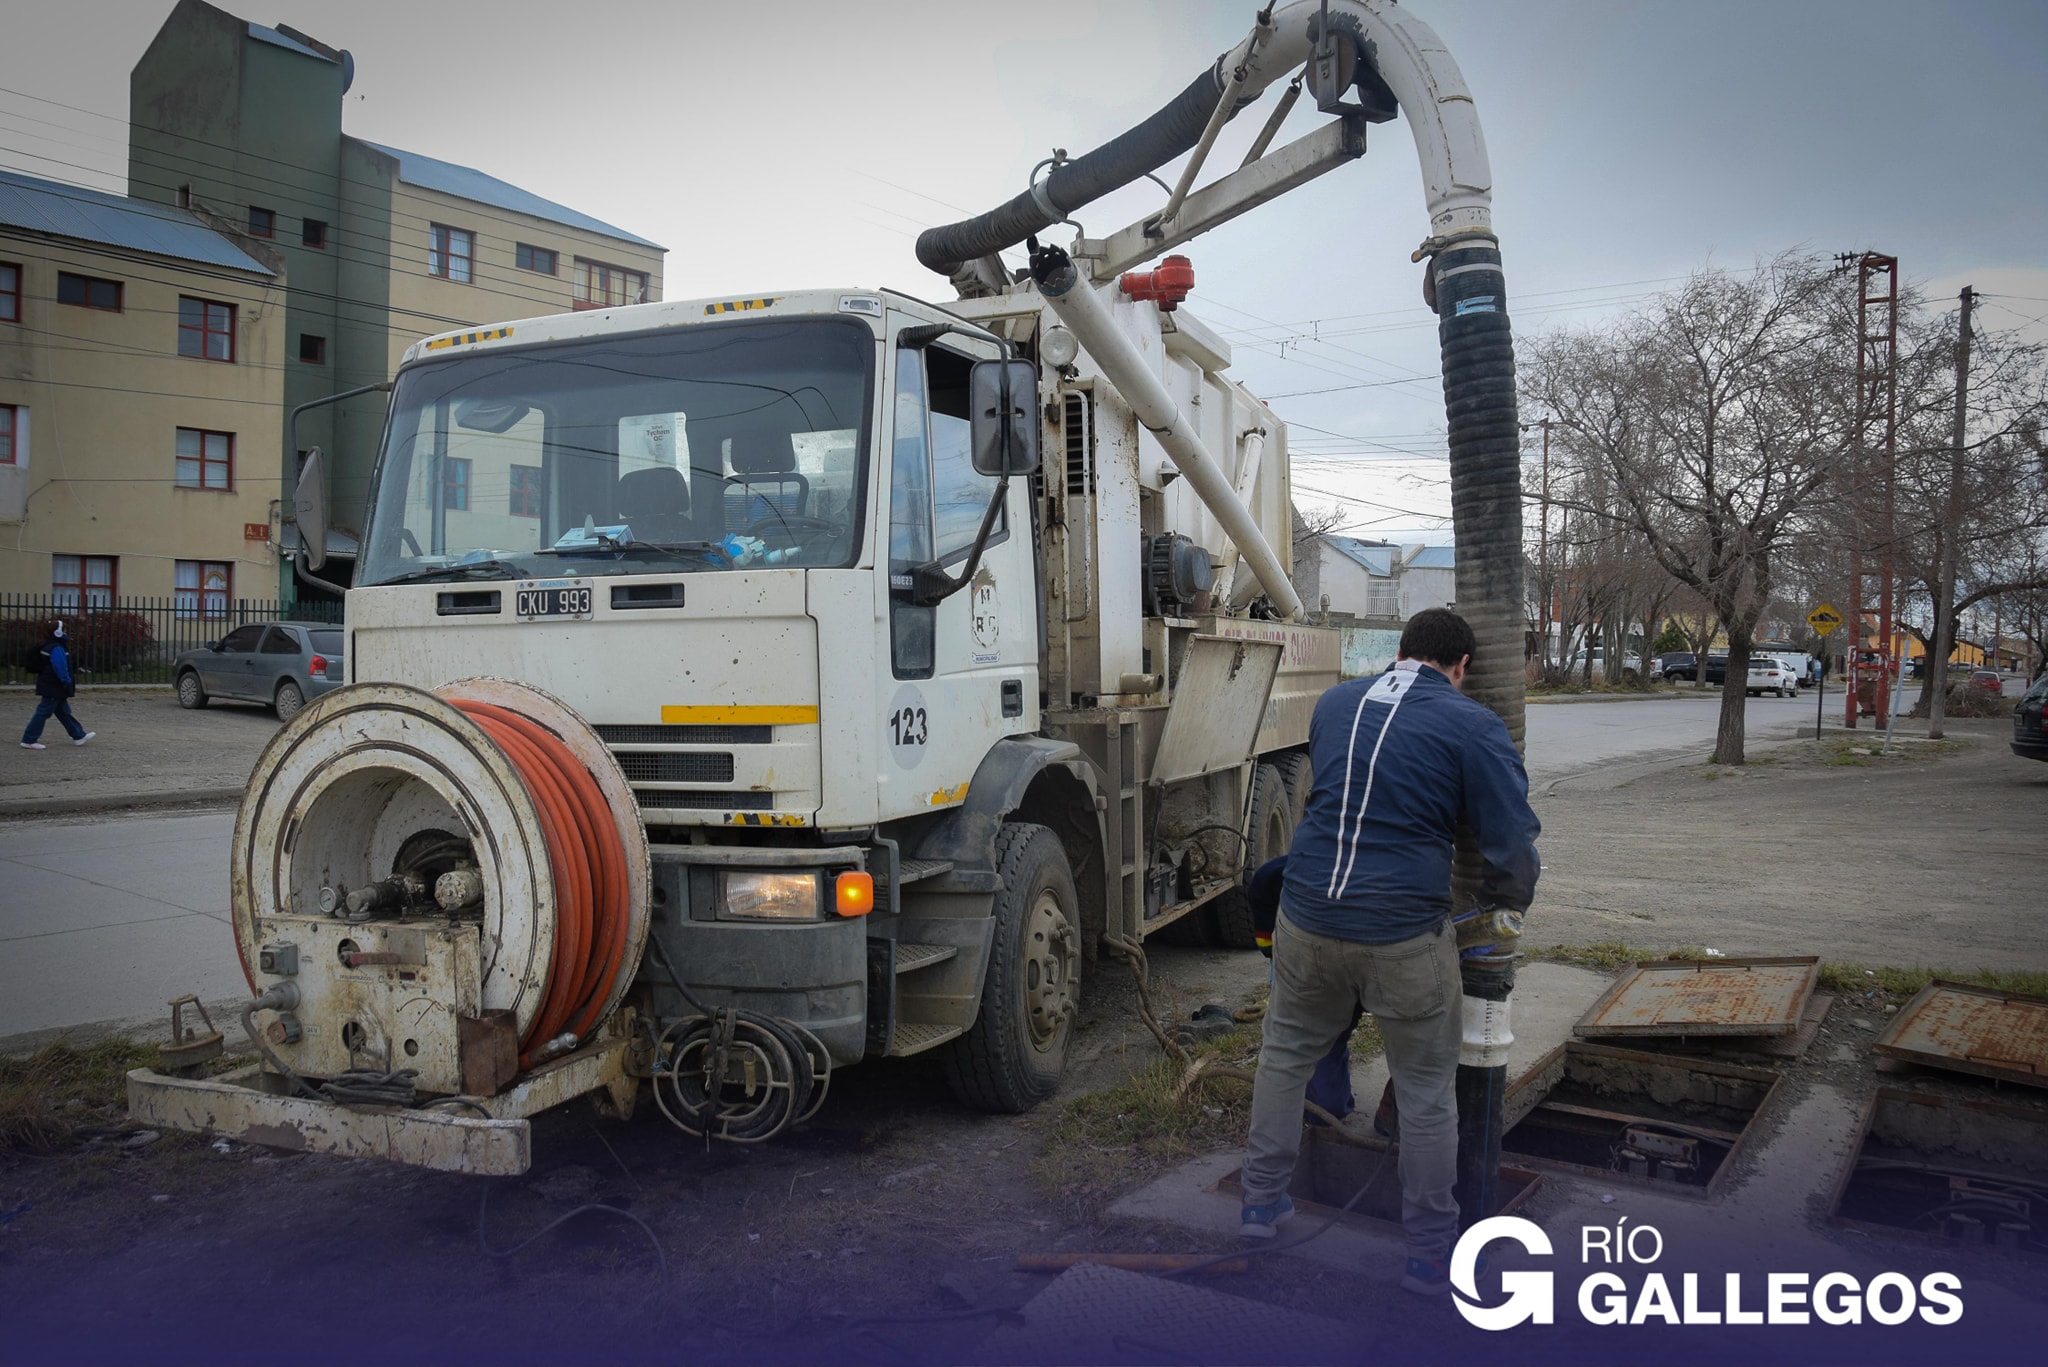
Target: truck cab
{"type": "Point", "coordinates": [751, 543]}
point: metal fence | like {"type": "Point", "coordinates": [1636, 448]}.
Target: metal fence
{"type": "Point", "coordinates": [133, 640]}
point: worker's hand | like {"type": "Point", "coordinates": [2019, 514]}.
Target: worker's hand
{"type": "Point", "coordinates": [1489, 934]}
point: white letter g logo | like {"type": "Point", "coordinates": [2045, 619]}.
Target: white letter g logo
{"type": "Point", "coordinates": [1528, 1293]}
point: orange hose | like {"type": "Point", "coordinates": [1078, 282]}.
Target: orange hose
{"type": "Point", "coordinates": [588, 860]}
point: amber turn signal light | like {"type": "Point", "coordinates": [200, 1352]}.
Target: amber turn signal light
{"type": "Point", "coordinates": [854, 893]}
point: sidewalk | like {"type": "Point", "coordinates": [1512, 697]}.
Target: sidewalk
{"type": "Point", "coordinates": [146, 752]}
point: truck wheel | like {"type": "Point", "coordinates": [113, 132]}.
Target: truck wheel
{"type": "Point", "coordinates": [1012, 1059]}
{"type": "Point", "coordinates": [1272, 831]}
{"type": "Point", "coordinates": [1298, 776]}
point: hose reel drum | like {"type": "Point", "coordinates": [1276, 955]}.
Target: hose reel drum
{"type": "Point", "coordinates": [408, 871]}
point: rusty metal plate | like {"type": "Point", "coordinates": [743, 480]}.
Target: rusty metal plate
{"type": "Point", "coordinates": [1705, 997]}
{"type": "Point", "coordinates": [1969, 1029]}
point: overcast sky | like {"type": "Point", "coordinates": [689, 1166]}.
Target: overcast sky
{"type": "Point", "coordinates": [797, 144]}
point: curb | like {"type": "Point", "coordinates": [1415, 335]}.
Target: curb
{"type": "Point", "coordinates": [1554, 699]}
{"type": "Point", "coordinates": [20, 807]}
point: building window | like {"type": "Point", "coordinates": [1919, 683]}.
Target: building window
{"type": "Point", "coordinates": [10, 292]}
{"type": "Point", "coordinates": [312, 350]}
{"type": "Point", "coordinates": [526, 491]}
{"type": "Point", "coordinates": [262, 222]}
{"type": "Point", "coordinates": [203, 587]}
{"type": "Point", "coordinates": [10, 435]}
{"type": "Point", "coordinates": [88, 292]}
{"type": "Point", "coordinates": [206, 329]}
{"type": "Point", "coordinates": [600, 286]}
{"type": "Point", "coordinates": [206, 460]}
{"type": "Point", "coordinates": [82, 581]}
{"type": "Point", "coordinates": [313, 232]}
{"type": "Point", "coordinates": [453, 251]}
{"type": "Point", "coordinates": [534, 259]}
{"type": "Point", "coordinates": [455, 484]}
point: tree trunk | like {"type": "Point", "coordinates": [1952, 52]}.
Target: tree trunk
{"type": "Point", "coordinates": [1734, 696]}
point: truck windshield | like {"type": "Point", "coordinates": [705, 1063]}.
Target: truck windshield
{"type": "Point", "coordinates": [697, 448]}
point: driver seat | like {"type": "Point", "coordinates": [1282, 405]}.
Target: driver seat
{"type": "Point", "coordinates": [655, 503]}
{"type": "Point", "coordinates": [766, 483]}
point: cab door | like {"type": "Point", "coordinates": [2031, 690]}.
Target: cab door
{"type": "Point", "coordinates": [962, 673]}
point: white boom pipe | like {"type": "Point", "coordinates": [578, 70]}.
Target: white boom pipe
{"type": "Point", "coordinates": [1456, 175]}
{"type": "Point", "coordinates": [1088, 318]}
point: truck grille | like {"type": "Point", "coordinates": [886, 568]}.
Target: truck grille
{"type": "Point", "coordinates": [642, 734]}
{"type": "Point", "coordinates": [706, 802]}
{"type": "Point", "coordinates": [699, 767]}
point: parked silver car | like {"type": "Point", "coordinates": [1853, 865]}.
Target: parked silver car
{"type": "Point", "coordinates": [278, 664]}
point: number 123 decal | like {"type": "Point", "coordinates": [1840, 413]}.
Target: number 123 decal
{"type": "Point", "coordinates": [909, 726]}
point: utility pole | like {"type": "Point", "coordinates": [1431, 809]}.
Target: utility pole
{"type": "Point", "coordinates": [1868, 647]}
{"type": "Point", "coordinates": [1951, 532]}
{"type": "Point", "coordinates": [1545, 614]}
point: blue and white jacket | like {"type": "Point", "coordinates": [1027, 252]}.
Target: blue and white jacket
{"type": "Point", "coordinates": [1399, 761]}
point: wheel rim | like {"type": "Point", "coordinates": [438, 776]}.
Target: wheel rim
{"type": "Point", "coordinates": [1048, 970]}
{"type": "Point", "coordinates": [188, 689]}
{"type": "Point", "coordinates": [289, 701]}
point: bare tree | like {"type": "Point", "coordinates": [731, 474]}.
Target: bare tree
{"type": "Point", "coordinates": [1972, 495]}
{"type": "Point", "coordinates": [1714, 416]}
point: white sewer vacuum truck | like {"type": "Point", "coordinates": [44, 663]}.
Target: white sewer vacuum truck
{"type": "Point", "coordinates": [743, 688]}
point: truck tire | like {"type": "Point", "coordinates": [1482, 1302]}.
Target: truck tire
{"type": "Point", "coordinates": [1298, 776]}
{"type": "Point", "coordinates": [1013, 1056]}
{"type": "Point", "coordinates": [1271, 832]}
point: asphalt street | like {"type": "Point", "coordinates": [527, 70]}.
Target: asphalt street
{"type": "Point", "coordinates": [103, 919]}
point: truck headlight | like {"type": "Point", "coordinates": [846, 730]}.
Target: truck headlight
{"type": "Point", "coordinates": [771, 896]}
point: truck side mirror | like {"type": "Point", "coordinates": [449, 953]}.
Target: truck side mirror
{"type": "Point", "coordinates": [309, 510]}
{"type": "Point", "coordinates": [1002, 404]}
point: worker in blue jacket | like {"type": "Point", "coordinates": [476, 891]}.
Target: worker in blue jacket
{"type": "Point", "coordinates": [1401, 761]}
{"type": "Point", "coordinates": [54, 690]}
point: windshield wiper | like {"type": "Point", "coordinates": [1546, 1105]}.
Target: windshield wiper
{"type": "Point", "coordinates": [476, 569]}
{"type": "Point", "coordinates": [610, 545]}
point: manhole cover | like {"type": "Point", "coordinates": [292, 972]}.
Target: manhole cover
{"type": "Point", "coordinates": [1705, 997]}
{"type": "Point", "coordinates": [1972, 1030]}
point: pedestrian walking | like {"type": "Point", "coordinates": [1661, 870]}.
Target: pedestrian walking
{"type": "Point", "coordinates": [54, 690]}
{"type": "Point", "coordinates": [1400, 762]}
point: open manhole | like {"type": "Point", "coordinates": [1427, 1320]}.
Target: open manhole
{"type": "Point", "coordinates": [1330, 1171]}
{"type": "Point", "coordinates": [1946, 1168]}
{"type": "Point", "coordinates": [1667, 1121]}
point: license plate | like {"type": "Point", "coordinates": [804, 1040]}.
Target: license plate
{"type": "Point", "coordinates": [552, 598]}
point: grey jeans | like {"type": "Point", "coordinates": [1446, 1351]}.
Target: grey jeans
{"type": "Point", "coordinates": [1412, 989]}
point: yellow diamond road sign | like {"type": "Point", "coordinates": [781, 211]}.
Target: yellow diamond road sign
{"type": "Point", "coordinates": [1824, 618]}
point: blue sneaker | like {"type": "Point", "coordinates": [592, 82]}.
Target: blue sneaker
{"type": "Point", "coordinates": [1432, 1276]}
{"type": "Point", "coordinates": [1257, 1222]}
{"type": "Point", "coordinates": [1427, 1277]}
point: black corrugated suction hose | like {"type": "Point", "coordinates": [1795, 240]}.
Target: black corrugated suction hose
{"type": "Point", "coordinates": [1486, 508]}
{"type": "Point", "coordinates": [1173, 130]}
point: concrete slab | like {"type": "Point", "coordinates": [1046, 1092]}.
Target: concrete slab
{"type": "Point", "coordinates": [1549, 999]}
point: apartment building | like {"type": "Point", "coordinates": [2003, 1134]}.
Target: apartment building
{"type": "Point", "coordinates": [242, 124]}
{"type": "Point", "coordinates": [142, 371]}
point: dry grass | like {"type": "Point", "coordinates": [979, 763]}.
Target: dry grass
{"type": "Point", "coordinates": [1101, 1145]}
{"type": "Point", "coordinates": [47, 1096]}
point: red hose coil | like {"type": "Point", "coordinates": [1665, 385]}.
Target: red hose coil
{"type": "Point", "coordinates": [589, 863]}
